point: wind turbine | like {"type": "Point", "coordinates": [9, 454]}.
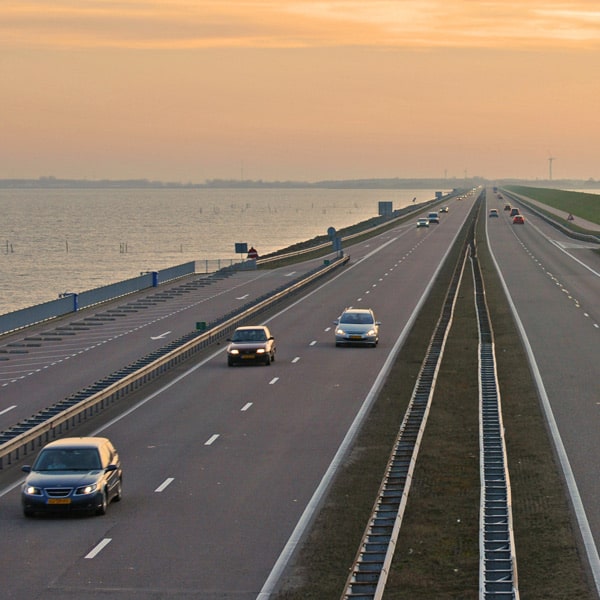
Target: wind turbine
{"type": "Point", "coordinates": [550, 159]}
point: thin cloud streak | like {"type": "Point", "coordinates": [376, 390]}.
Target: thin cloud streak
{"type": "Point", "coordinates": [180, 24]}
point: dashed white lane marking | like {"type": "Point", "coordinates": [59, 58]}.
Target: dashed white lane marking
{"type": "Point", "coordinates": [246, 406]}
{"type": "Point", "coordinates": [93, 553]}
{"type": "Point", "coordinates": [295, 360]}
{"type": "Point", "coordinates": [274, 380]}
{"type": "Point", "coordinates": [313, 343]}
{"type": "Point", "coordinates": [163, 486]}
{"type": "Point", "coordinates": [160, 336]}
{"type": "Point", "coordinates": [211, 439]}
{"type": "Point", "coordinates": [8, 409]}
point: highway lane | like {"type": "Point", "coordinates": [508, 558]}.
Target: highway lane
{"type": "Point", "coordinates": [554, 283]}
{"type": "Point", "coordinates": [220, 465]}
{"type": "Point", "coordinates": [48, 362]}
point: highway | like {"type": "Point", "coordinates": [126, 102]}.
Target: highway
{"type": "Point", "coordinates": [554, 284]}
{"type": "Point", "coordinates": [221, 463]}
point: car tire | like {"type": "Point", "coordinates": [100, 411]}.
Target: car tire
{"type": "Point", "coordinates": [28, 513]}
{"type": "Point", "coordinates": [119, 493]}
{"type": "Point", "coordinates": [268, 360]}
{"type": "Point", "coordinates": [101, 509]}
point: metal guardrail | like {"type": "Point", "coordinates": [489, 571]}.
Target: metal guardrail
{"type": "Point", "coordinates": [497, 564]}
{"type": "Point", "coordinates": [28, 435]}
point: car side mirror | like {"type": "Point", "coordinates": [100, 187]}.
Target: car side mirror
{"type": "Point", "coordinates": [111, 468]}
{"type": "Point", "coordinates": [26, 468]}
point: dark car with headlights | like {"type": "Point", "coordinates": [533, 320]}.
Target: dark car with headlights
{"type": "Point", "coordinates": [357, 326]}
{"type": "Point", "coordinates": [251, 344]}
{"type": "Point", "coordinates": [81, 474]}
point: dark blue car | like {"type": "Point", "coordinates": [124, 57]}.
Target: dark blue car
{"type": "Point", "coordinates": [71, 475]}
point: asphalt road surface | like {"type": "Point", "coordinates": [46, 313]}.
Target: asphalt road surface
{"type": "Point", "coordinates": [554, 284]}
{"type": "Point", "coordinates": [221, 463]}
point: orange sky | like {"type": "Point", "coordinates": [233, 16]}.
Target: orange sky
{"type": "Point", "coordinates": [178, 90]}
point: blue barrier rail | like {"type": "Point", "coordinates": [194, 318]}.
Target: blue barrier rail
{"type": "Point", "coordinates": [72, 302]}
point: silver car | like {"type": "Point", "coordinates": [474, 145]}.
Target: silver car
{"type": "Point", "coordinates": [357, 326]}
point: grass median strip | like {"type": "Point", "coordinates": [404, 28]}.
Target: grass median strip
{"type": "Point", "coordinates": [437, 555]}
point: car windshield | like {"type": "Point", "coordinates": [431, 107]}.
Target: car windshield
{"type": "Point", "coordinates": [68, 459]}
{"type": "Point", "coordinates": [357, 318]}
{"type": "Point", "coordinates": [250, 335]}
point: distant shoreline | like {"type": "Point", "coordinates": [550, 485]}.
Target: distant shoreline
{"type": "Point", "coordinates": [390, 183]}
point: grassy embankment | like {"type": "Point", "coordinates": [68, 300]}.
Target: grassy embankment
{"type": "Point", "coordinates": [583, 205]}
{"type": "Point", "coordinates": [438, 549]}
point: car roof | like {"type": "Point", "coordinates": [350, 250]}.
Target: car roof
{"type": "Point", "coordinates": [357, 310]}
{"type": "Point", "coordinates": [77, 442]}
{"type": "Point", "coordinates": [250, 327]}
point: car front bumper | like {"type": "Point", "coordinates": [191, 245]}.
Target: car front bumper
{"type": "Point", "coordinates": [82, 503]}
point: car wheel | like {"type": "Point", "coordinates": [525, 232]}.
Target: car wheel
{"type": "Point", "coordinates": [268, 360]}
{"type": "Point", "coordinates": [101, 510]}
{"type": "Point", "coordinates": [119, 492]}
{"type": "Point", "coordinates": [230, 363]}
{"type": "Point", "coordinates": [28, 513]}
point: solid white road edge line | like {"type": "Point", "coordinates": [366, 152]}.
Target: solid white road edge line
{"type": "Point", "coordinates": [311, 508]}
{"type": "Point", "coordinates": [584, 526]}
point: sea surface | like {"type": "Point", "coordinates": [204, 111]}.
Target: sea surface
{"type": "Point", "coordinates": [72, 240]}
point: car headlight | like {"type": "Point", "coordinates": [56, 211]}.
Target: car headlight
{"type": "Point", "coordinates": [339, 331]}
{"type": "Point", "coordinates": [260, 351]}
{"type": "Point", "coordinates": [234, 351]}
{"type": "Point", "coordinates": [31, 490]}
{"type": "Point", "coordinates": [371, 332]}
{"type": "Point", "coordinates": [84, 490]}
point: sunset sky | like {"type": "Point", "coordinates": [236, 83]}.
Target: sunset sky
{"type": "Point", "coordinates": [188, 90]}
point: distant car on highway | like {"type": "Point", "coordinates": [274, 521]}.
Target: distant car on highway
{"type": "Point", "coordinates": [433, 217]}
{"type": "Point", "coordinates": [493, 212]}
{"type": "Point", "coordinates": [73, 474]}
{"type": "Point", "coordinates": [507, 207]}
{"type": "Point", "coordinates": [444, 209]}
{"type": "Point", "coordinates": [518, 220]}
{"type": "Point", "coordinates": [251, 344]}
{"type": "Point", "coordinates": [357, 326]}
{"type": "Point", "coordinates": [423, 222]}
{"type": "Point", "coordinates": [514, 211]}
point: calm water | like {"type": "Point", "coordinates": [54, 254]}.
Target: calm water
{"type": "Point", "coordinates": [53, 241]}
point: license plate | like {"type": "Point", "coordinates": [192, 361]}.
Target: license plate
{"type": "Point", "coordinates": [246, 356]}
{"type": "Point", "coordinates": [59, 500]}
{"type": "Point", "coordinates": [356, 337]}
